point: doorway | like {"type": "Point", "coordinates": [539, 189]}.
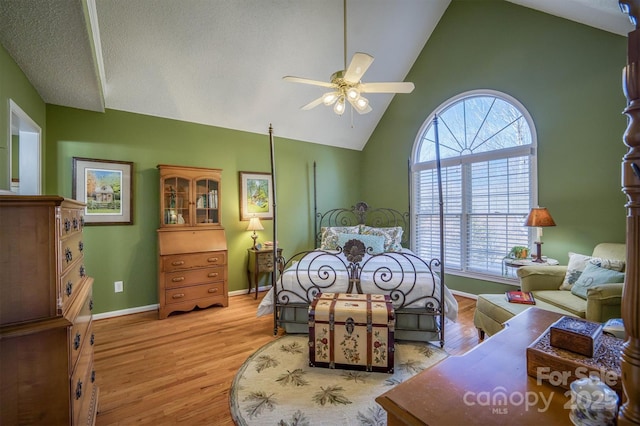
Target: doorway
{"type": "Point", "coordinates": [24, 152]}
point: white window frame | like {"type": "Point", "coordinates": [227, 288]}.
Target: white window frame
{"type": "Point", "coordinates": [416, 167]}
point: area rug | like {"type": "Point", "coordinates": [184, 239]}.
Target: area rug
{"type": "Point", "coordinates": [276, 386]}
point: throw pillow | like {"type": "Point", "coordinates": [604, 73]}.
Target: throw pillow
{"type": "Point", "coordinates": [329, 240]}
{"type": "Point", "coordinates": [392, 236]}
{"type": "Point", "coordinates": [374, 244]}
{"type": "Point", "coordinates": [578, 262]}
{"type": "Point", "coordinates": [595, 275]}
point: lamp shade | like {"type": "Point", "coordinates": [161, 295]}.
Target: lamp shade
{"type": "Point", "coordinates": [539, 217]}
{"type": "Point", "coordinates": [254, 224]}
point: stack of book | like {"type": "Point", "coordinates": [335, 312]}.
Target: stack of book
{"type": "Point", "coordinates": [517, 296]}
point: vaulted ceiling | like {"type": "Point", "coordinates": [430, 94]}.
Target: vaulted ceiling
{"type": "Point", "coordinates": [221, 62]}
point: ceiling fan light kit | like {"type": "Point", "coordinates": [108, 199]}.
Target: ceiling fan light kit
{"type": "Point", "coordinates": [347, 84]}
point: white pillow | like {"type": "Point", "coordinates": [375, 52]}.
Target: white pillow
{"type": "Point", "coordinates": [329, 235]}
{"type": "Point", "coordinates": [577, 263]}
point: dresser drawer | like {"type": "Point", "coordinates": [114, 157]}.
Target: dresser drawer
{"type": "Point", "coordinates": [71, 250]}
{"type": "Point", "coordinates": [193, 260]}
{"type": "Point", "coordinates": [71, 280]}
{"type": "Point", "coordinates": [195, 276]}
{"type": "Point", "coordinates": [195, 292]}
{"type": "Point", "coordinates": [82, 387]}
{"type": "Point", "coordinates": [265, 262]}
{"type": "Point", "coordinates": [81, 333]}
{"type": "Point", "coordinates": [71, 221]}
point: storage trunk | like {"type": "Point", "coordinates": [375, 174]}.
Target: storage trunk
{"type": "Point", "coordinates": [352, 331]}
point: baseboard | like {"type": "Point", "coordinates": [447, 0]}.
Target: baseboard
{"type": "Point", "coordinates": [154, 307]}
{"type": "Point", "coordinates": [464, 294]}
{"type": "Point", "coordinates": [128, 311]}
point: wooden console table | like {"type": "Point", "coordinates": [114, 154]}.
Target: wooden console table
{"type": "Point", "coordinates": [488, 385]}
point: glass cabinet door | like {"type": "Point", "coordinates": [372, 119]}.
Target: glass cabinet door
{"type": "Point", "coordinates": [207, 201]}
{"type": "Point", "coordinates": [175, 201]}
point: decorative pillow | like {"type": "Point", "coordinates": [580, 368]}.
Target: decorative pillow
{"type": "Point", "coordinates": [329, 235]}
{"type": "Point", "coordinates": [374, 243]}
{"type": "Point", "coordinates": [594, 275]}
{"type": "Point", "coordinates": [392, 236]}
{"type": "Point", "coordinates": [578, 262]}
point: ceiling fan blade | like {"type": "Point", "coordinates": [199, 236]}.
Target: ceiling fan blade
{"type": "Point", "coordinates": [313, 103]}
{"type": "Point", "coordinates": [400, 87]}
{"type": "Point", "coordinates": [307, 81]}
{"type": "Point", "coordinates": [359, 65]}
{"type": "Point", "coordinates": [360, 110]}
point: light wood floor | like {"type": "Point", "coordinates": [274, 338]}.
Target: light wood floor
{"type": "Point", "coordinates": [179, 370]}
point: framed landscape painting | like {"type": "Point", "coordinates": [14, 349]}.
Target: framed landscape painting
{"type": "Point", "coordinates": [106, 186]}
{"type": "Point", "coordinates": [256, 195]}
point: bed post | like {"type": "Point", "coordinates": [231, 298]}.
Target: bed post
{"type": "Point", "coordinates": [441, 214]}
{"type": "Point", "coordinates": [315, 209]}
{"type": "Point", "coordinates": [629, 412]}
{"type": "Point", "coordinates": [274, 273]}
{"type": "Point", "coordinates": [409, 197]}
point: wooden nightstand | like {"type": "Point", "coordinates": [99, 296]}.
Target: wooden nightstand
{"type": "Point", "coordinates": [259, 262]}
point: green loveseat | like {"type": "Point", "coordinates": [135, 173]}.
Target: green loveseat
{"type": "Point", "coordinates": [603, 301]}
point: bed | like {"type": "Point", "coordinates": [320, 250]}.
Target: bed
{"type": "Point", "coordinates": [363, 250]}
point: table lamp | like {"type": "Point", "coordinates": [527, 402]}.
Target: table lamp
{"type": "Point", "coordinates": [539, 217]}
{"type": "Point", "coordinates": [254, 225]}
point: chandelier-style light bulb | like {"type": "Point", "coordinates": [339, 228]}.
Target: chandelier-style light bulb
{"type": "Point", "coordinates": [353, 93]}
{"type": "Point", "coordinates": [329, 98]}
{"type": "Point", "coordinates": [339, 107]}
{"type": "Point", "coordinates": [362, 103]}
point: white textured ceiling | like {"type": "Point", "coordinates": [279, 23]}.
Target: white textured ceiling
{"type": "Point", "coordinates": [221, 62]}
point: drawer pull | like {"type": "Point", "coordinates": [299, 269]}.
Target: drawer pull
{"type": "Point", "coordinates": [178, 296]}
{"type": "Point", "coordinates": [67, 225]}
{"type": "Point", "coordinates": [213, 274]}
{"type": "Point", "coordinates": [68, 255]}
{"type": "Point", "coordinates": [212, 260]}
{"type": "Point", "coordinates": [91, 304]}
{"type": "Point", "coordinates": [75, 223]}
{"type": "Point", "coordinates": [80, 246]}
{"type": "Point", "coordinates": [76, 342]}
{"type": "Point", "coordinates": [177, 262]}
{"type": "Point", "coordinates": [213, 290]}
{"type": "Point", "coordinates": [82, 222]}
{"type": "Point", "coordinates": [93, 339]}
{"type": "Point", "coordinates": [177, 279]}
{"type": "Point", "coordinates": [69, 288]}
{"type": "Point", "coordinates": [93, 376]}
{"type": "Point", "coordinates": [79, 389]}
{"type": "Point", "coordinates": [83, 272]}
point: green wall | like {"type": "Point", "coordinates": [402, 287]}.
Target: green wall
{"type": "Point", "coordinates": [129, 253]}
{"type": "Point", "coordinates": [567, 75]}
{"type": "Point", "coordinates": [15, 86]}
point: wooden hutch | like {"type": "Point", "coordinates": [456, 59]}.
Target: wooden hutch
{"type": "Point", "coordinates": [192, 264]}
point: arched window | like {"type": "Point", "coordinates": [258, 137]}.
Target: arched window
{"type": "Point", "coordinates": [487, 149]}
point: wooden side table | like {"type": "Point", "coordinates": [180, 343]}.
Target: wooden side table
{"type": "Point", "coordinates": [259, 262]}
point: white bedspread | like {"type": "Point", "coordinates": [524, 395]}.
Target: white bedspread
{"type": "Point", "coordinates": [391, 271]}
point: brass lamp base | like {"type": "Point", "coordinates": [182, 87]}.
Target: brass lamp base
{"type": "Point", "coordinates": [254, 236]}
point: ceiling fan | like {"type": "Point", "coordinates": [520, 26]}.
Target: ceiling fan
{"type": "Point", "coordinates": [346, 84]}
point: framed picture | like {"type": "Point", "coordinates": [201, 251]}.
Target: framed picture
{"type": "Point", "coordinates": [256, 195]}
{"type": "Point", "coordinates": [106, 186]}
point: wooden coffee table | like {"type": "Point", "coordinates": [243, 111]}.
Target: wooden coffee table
{"type": "Point", "coordinates": [488, 385]}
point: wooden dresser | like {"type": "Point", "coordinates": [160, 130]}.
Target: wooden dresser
{"type": "Point", "coordinates": [46, 341]}
{"type": "Point", "coordinates": [192, 268]}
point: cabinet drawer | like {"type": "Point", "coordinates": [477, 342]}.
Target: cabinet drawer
{"type": "Point", "coordinates": [83, 391]}
{"type": "Point", "coordinates": [71, 280]}
{"type": "Point", "coordinates": [178, 295]}
{"type": "Point", "coordinates": [71, 250]}
{"type": "Point", "coordinates": [71, 221]}
{"type": "Point", "coordinates": [196, 276]}
{"type": "Point", "coordinates": [265, 262]}
{"type": "Point", "coordinates": [81, 332]}
{"type": "Point", "coordinates": [193, 260]}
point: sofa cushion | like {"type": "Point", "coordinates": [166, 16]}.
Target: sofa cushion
{"type": "Point", "coordinates": [564, 300]}
{"type": "Point", "coordinates": [578, 262]}
{"type": "Point", "coordinates": [595, 275]}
